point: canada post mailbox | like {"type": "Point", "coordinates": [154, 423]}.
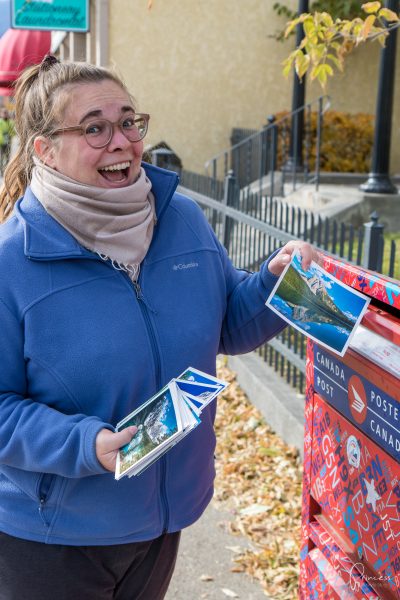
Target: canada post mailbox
{"type": "Point", "coordinates": [350, 545]}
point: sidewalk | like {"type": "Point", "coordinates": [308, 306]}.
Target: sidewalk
{"type": "Point", "coordinates": [204, 563]}
{"type": "Point", "coordinates": [205, 559]}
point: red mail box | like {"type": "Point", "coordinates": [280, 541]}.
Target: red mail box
{"type": "Point", "coordinates": [351, 484]}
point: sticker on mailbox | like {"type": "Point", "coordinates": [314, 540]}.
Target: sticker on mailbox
{"type": "Point", "coordinates": [353, 451]}
{"type": "Point", "coordinates": [375, 412]}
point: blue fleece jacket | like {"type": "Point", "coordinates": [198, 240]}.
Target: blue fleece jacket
{"type": "Point", "coordinates": [80, 348]}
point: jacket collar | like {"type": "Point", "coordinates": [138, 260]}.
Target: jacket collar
{"type": "Point", "coordinates": [46, 239]}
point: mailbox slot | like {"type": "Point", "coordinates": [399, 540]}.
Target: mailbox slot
{"type": "Point", "coordinates": [331, 584]}
{"type": "Point", "coordinates": [340, 561]}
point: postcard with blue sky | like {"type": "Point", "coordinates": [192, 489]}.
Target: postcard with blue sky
{"type": "Point", "coordinates": [317, 304]}
{"type": "Point", "coordinates": [158, 421]}
{"type": "Point", "coordinates": [195, 376]}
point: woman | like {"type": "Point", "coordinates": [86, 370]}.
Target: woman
{"type": "Point", "coordinates": [95, 319]}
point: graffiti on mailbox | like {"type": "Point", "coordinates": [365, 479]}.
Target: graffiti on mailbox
{"type": "Point", "coordinates": [380, 287]}
{"type": "Point", "coordinates": [362, 503]}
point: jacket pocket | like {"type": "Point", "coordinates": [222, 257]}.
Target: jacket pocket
{"type": "Point", "coordinates": [45, 486]}
{"type": "Point", "coordinates": [24, 481]}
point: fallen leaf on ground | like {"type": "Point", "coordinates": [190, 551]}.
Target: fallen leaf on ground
{"type": "Point", "coordinates": [254, 509]}
{"type": "Point", "coordinates": [236, 549]}
{"type": "Point", "coordinates": [206, 578]}
{"type": "Point", "coordinates": [229, 593]}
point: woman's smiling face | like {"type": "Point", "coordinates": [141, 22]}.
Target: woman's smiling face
{"type": "Point", "coordinates": [114, 166]}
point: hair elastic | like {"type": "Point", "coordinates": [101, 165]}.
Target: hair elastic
{"type": "Point", "coordinates": [48, 61]}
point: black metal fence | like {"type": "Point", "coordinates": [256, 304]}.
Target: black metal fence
{"type": "Point", "coordinates": [208, 186]}
{"type": "Point", "coordinates": [262, 159]}
{"type": "Point", "coordinates": [251, 226]}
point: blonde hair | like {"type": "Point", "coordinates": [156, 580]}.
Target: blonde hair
{"type": "Point", "coordinates": [39, 105]}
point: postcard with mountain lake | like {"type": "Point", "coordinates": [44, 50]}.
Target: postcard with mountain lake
{"type": "Point", "coordinates": [317, 304]}
{"type": "Point", "coordinates": [159, 422]}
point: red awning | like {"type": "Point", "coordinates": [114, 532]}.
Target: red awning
{"type": "Point", "coordinates": [20, 48]}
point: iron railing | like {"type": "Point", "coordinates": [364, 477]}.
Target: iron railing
{"type": "Point", "coordinates": [251, 226]}
{"type": "Point", "coordinates": [261, 160]}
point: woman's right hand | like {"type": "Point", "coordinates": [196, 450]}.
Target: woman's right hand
{"type": "Point", "coordinates": [108, 443]}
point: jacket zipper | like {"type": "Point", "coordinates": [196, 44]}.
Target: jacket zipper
{"type": "Point", "coordinates": [46, 481]}
{"type": "Point", "coordinates": [157, 361]}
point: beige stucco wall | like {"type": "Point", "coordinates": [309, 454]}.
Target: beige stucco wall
{"type": "Point", "coordinates": [201, 68]}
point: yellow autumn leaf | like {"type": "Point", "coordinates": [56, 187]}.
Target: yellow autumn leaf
{"type": "Point", "coordinates": [327, 69]}
{"type": "Point", "coordinates": [310, 30]}
{"type": "Point", "coordinates": [322, 78]}
{"type": "Point", "coordinates": [371, 7]}
{"type": "Point", "coordinates": [327, 19]}
{"type": "Point", "coordinates": [309, 26]}
{"type": "Point", "coordinates": [338, 63]}
{"type": "Point", "coordinates": [330, 34]}
{"type": "Point", "coordinates": [366, 28]}
{"type": "Point", "coordinates": [389, 15]}
{"type": "Point", "coordinates": [357, 30]}
{"type": "Point", "coordinates": [287, 65]}
{"type": "Point", "coordinates": [299, 56]}
{"type": "Point", "coordinates": [382, 38]}
{"type": "Point", "coordinates": [314, 72]}
{"type": "Point", "coordinates": [346, 27]}
{"type": "Point", "coordinates": [318, 52]}
{"type": "Point", "coordinates": [321, 73]}
{"type": "Point", "coordinates": [302, 63]}
{"type": "Point", "coordinates": [292, 25]}
{"type": "Point", "coordinates": [303, 44]}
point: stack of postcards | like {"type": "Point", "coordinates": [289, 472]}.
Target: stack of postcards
{"type": "Point", "coordinates": [165, 419]}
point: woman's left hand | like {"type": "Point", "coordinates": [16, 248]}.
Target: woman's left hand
{"type": "Point", "coordinates": [284, 256]}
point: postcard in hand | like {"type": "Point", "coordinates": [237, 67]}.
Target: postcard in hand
{"type": "Point", "coordinates": [165, 419]}
{"type": "Point", "coordinates": [199, 388]}
{"type": "Point", "coordinates": [158, 421]}
{"type": "Point", "coordinates": [201, 392]}
{"type": "Point", "coordinates": [317, 304]}
{"type": "Point", "coordinates": [189, 419]}
{"type": "Point", "coordinates": [196, 376]}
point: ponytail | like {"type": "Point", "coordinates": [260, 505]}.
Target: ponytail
{"type": "Point", "coordinates": [18, 170]}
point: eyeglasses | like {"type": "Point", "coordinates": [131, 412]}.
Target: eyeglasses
{"type": "Point", "coordinates": [98, 133]}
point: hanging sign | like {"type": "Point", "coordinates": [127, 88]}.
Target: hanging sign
{"type": "Point", "coordinates": [65, 15]}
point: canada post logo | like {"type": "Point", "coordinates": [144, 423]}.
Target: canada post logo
{"type": "Point", "coordinates": [371, 409]}
{"type": "Point", "coordinates": [357, 399]}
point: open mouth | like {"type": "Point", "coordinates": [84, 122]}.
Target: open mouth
{"type": "Point", "coordinates": [115, 173]}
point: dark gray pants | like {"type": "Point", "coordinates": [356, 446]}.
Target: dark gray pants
{"type": "Point", "coordinates": [36, 571]}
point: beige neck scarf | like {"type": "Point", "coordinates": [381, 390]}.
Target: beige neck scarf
{"type": "Point", "coordinates": [117, 223]}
